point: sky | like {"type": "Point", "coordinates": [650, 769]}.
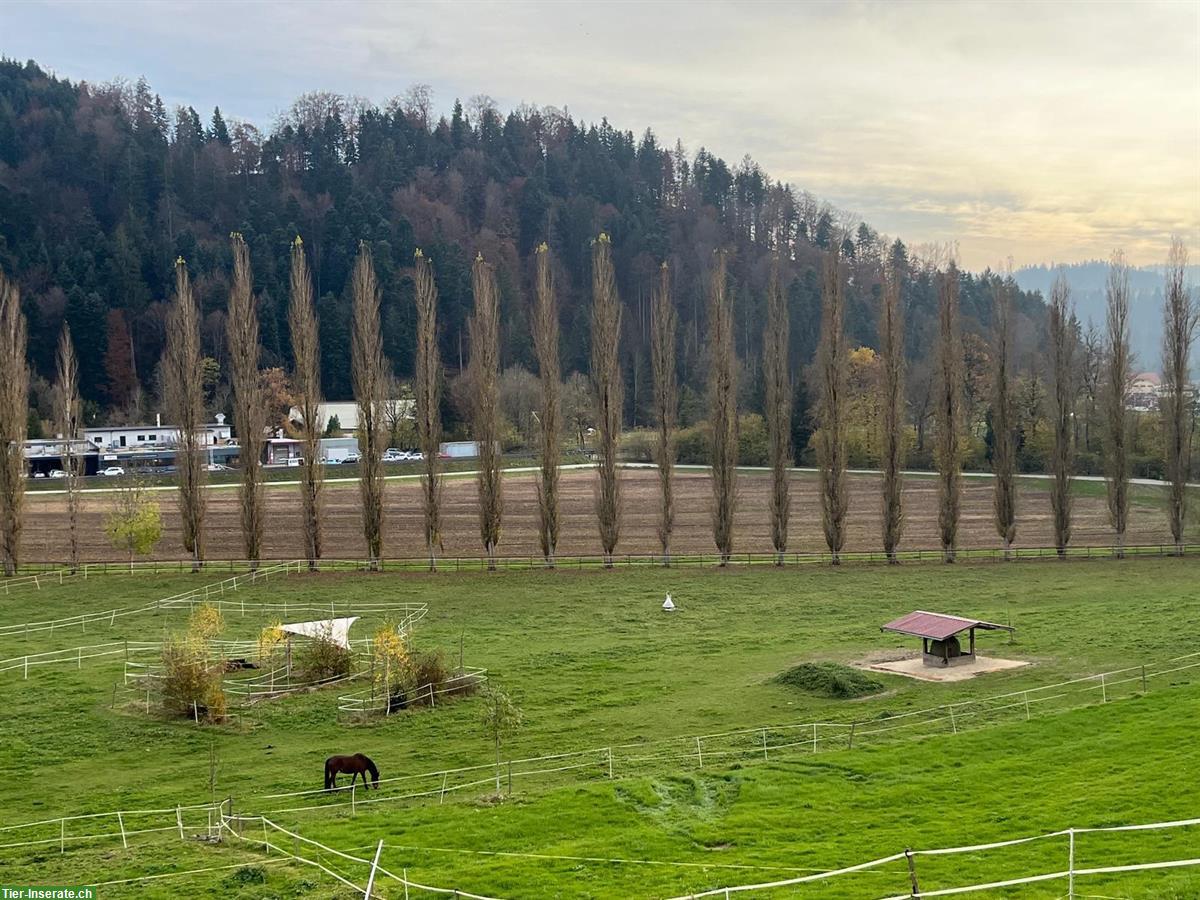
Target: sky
{"type": "Point", "coordinates": [1040, 132]}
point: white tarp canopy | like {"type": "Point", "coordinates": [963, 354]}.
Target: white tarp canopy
{"type": "Point", "coordinates": [335, 630]}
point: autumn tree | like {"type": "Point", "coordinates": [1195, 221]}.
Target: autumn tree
{"type": "Point", "coordinates": [367, 373]}
{"type": "Point", "coordinates": [183, 391]}
{"type": "Point", "coordinates": [485, 375]}
{"type": "Point", "coordinates": [664, 322]}
{"type": "Point", "coordinates": [1004, 444]}
{"type": "Point", "coordinates": [14, 420]}
{"type": "Point", "coordinates": [891, 406]}
{"type": "Point", "coordinates": [68, 418]}
{"type": "Point", "coordinates": [948, 412]}
{"type": "Point", "coordinates": [1062, 349]}
{"type": "Point", "coordinates": [545, 343]}
{"type": "Point", "coordinates": [306, 384]}
{"type": "Point", "coordinates": [429, 403]}
{"type": "Point", "coordinates": [133, 525]}
{"type": "Point", "coordinates": [831, 408]}
{"type": "Point", "coordinates": [607, 386]}
{"type": "Point", "coordinates": [778, 408]}
{"type": "Point", "coordinates": [722, 388]}
{"type": "Point", "coordinates": [1179, 329]}
{"type": "Point", "coordinates": [1118, 366]}
{"type": "Point", "coordinates": [249, 400]}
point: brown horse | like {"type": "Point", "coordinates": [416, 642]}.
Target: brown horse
{"type": "Point", "coordinates": [355, 765]}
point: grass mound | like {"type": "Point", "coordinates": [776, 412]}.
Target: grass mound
{"type": "Point", "coordinates": [829, 679]}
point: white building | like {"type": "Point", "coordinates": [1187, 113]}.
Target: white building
{"type": "Point", "coordinates": [346, 412]}
{"type": "Point", "coordinates": [116, 437]}
{"type": "Point", "coordinates": [1144, 392]}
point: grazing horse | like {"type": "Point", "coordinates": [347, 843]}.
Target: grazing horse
{"type": "Point", "coordinates": [356, 765]}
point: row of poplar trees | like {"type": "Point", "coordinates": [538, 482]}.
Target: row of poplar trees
{"type": "Point", "coordinates": [184, 404]}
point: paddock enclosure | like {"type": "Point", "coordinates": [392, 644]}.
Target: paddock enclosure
{"type": "Point", "coordinates": [658, 756]}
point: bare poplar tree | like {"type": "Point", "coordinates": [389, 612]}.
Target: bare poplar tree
{"type": "Point", "coordinates": [607, 383]}
{"type": "Point", "coordinates": [1062, 349]}
{"type": "Point", "coordinates": [306, 384]}
{"type": "Point", "coordinates": [249, 402]}
{"type": "Point", "coordinates": [183, 395]}
{"type": "Point", "coordinates": [1118, 365]}
{"type": "Point", "coordinates": [429, 404]}
{"type": "Point", "coordinates": [891, 407]}
{"type": "Point", "coordinates": [545, 341]}
{"type": "Point", "coordinates": [68, 416]}
{"type": "Point", "coordinates": [485, 381]}
{"type": "Point", "coordinates": [948, 412]}
{"type": "Point", "coordinates": [663, 324]}
{"type": "Point", "coordinates": [1179, 330]}
{"type": "Point", "coordinates": [778, 408]}
{"type": "Point", "coordinates": [832, 363]}
{"type": "Point", "coordinates": [368, 374]}
{"type": "Point", "coordinates": [14, 422]}
{"type": "Point", "coordinates": [722, 388]}
{"type": "Point", "coordinates": [1004, 445]}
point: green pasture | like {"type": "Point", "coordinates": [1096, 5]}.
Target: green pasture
{"type": "Point", "coordinates": [594, 663]}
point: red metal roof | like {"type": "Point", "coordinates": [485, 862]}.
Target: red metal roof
{"type": "Point", "coordinates": [937, 626]}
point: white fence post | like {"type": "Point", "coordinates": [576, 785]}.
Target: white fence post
{"type": "Point", "coordinates": [121, 822]}
{"type": "Point", "coordinates": [179, 821]}
{"type": "Point", "coordinates": [953, 724]}
{"type": "Point", "coordinates": [699, 753]}
{"type": "Point", "coordinates": [764, 744]}
{"type": "Point", "coordinates": [610, 767]}
{"type": "Point", "coordinates": [371, 878]}
{"type": "Point", "coordinates": [1070, 864]}
{"type": "Point", "coordinates": [814, 737]}
{"type": "Point", "coordinates": [1103, 690]}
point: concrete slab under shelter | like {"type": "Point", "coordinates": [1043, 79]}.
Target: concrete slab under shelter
{"type": "Point", "coordinates": [914, 667]}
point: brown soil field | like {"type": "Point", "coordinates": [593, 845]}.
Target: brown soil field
{"type": "Point", "coordinates": [45, 533]}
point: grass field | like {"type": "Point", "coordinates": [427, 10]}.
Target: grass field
{"type": "Point", "coordinates": [594, 663]}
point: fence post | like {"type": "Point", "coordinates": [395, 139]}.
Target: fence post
{"type": "Point", "coordinates": [121, 822]}
{"type": "Point", "coordinates": [699, 753]}
{"type": "Point", "coordinates": [266, 843]}
{"type": "Point", "coordinates": [510, 778]}
{"type": "Point", "coordinates": [442, 798]}
{"type": "Point", "coordinates": [912, 871]}
{"type": "Point", "coordinates": [814, 737]}
{"type": "Point", "coordinates": [1027, 706]}
{"type": "Point", "coordinates": [764, 743]}
{"type": "Point", "coordinates": [179, 821]}
{"type": "Point", "coordinates": [610, 774]}
{"type": "Point", "coordinates": [1070, 864]}
{"type": "Point", "coordinates": [1103, 690]}
{"type": "Point", "coordinates": [1143, 678]}
{"type": "Point", "coordinates": [953, 724]}
{"type": "Point", "coordinates": [62, 835]}
{"type": "Point", "coordinates": [405, 875]}
{"type": "Point", "coordinates": [27, 667]}
{"type": "Point", "coordinates": [371, 877]}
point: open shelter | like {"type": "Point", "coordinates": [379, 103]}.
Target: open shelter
{"type": "Point", "coordinates": [940, 645]}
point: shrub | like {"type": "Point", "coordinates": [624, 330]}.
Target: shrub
{"type": "Point", "coordinates": [191, 676]}
{"type": "Point", "coordinates": [828, 679]}
{"type": "Point", "coordinates": [322, 659]}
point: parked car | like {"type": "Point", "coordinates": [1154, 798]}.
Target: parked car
{"type": "Point", "coordinates": [57, 473]}
{"type": "Point", "coordinates": [351, 458]}
{"type": "Point", "coordinates": [112, 471]}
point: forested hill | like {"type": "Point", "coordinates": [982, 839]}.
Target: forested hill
{"type": "Point", "coordinates": [101, 188]}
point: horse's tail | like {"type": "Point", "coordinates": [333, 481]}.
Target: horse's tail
{"type": "Point", "coordinates": [373, 769]}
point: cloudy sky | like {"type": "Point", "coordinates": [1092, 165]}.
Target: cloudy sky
{"type": "Point", "coordinates": [1049, 132]}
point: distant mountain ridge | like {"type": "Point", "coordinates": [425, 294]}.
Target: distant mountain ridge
{"type": "Point", "coordinates": [1087, 281]}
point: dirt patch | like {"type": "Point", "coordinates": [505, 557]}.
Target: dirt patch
{"type": "Point", "coordinates": [45, 537]}
{"type": "Point", "coordinates": [912, 666]}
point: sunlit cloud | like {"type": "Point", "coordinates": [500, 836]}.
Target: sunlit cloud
{"type": "Point", "coordinates": [1045, 132]}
